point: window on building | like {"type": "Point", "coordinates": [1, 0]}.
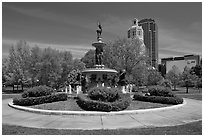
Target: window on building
{"type": "Point", "coordinates": [139, 33]}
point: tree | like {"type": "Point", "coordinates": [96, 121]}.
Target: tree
{"type": "Point", "coordinates": [78, 65]}
{"type": "Point", "coordinates": [124, 54]}
{"type": "Point", "coordinates": [140, 75]}
{"type": "Point", "coordinates": [89, 59]}
{"type": "Point", "coordinates": [154, 77]}
{"type": "Point", "coordinates": [50, 68]}
{"type": "Point", "coordinates": [72, 77]}
{"type": "Point", "coordinates": [66, 65]}
{"type": "Point", "coordinates": [35, 64]}
{"type": "Point", "coordinates": [4, 69]}
{"type": "Point", "coordinates": [19, 63]}
{"type": "Point", "coordinates": [198, 83]}
{"type": "Point", "coordinates": [173, 75]}
{"type": "Point", "coordinates": [188, 79]}
{"type": "Point", "coordinates": [197, 70]}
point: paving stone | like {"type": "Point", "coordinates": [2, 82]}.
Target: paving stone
{"type": "Point", "coordinates": [153, 120]}
{"type": "Point", "coordinates": [120, 121]}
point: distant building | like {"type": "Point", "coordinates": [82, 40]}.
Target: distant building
{"type": "Point", "coordinates": [180, 62]}
{"type": "Point", "coordinates": [135, 31]}
{"type": "Point", "coordinates": [150, 32]}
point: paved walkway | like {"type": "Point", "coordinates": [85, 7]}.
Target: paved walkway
{"type": "Point", "coordinates": [190, 112]}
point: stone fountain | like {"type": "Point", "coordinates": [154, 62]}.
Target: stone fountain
{"type": "Point", "coordinates": [97, 76]}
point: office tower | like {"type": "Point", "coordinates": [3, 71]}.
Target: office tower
{"type": "Point", "coordinates": [150, 32]}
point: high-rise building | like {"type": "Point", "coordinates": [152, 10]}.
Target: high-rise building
{"type": "Point", "coordinates": [150, 32]}
{"type": "Point", "coordinates": [136, 31]}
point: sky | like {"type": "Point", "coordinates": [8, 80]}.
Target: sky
{"type": "Point", "coordinates": [72, 26]}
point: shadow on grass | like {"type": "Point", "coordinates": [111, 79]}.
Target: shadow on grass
{"type": "Point", "coordinates": [194, 128]}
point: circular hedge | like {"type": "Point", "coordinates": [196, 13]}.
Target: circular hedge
{"type": "Point", "coordinates": [104, 99]}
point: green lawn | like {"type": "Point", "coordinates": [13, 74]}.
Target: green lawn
{"type": "Point", "coordinates": [7, 96]}
{"type": "Point", "coordinates": [194, 128]}
{"type": "Point", "coordinates": [193, 93]}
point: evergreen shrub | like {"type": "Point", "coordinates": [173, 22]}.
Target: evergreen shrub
{"type": "Point", "coordinates": [104, 94]}
{"type": "Point", "coordinates": [29, 101]}
{"type": "Point", "coordinates": [104, 99]}
{"type": "Point", "coordinates": [37, 92]}
{"type": "Point", "coordinates": [160, 91]}
{"type": "Point", "coordinates": [159, 99]}
{"type": "Point", "coordinates": [88, 104]}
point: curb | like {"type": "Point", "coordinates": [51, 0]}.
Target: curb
{"type": "Point", "coordinates": [91, 113]}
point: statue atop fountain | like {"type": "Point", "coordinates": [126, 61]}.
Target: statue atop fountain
{"type": "Point", "coordinates": [99, 31]}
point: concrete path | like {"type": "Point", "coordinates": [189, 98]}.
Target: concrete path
{"type": "Point", "coordinates": [190, 112]}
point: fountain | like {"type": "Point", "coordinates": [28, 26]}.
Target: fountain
{"type": "Point", "coordinates": [97, 76]}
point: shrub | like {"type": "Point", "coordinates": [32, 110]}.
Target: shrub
{"type": "Point", "coordinates": [40, 100]}
{"type": "Point", "coordinates": [159, 99]}
{"type": "Point", "coordinates": [88, 104]}
{"type": "Point", "coordinates": [104, 94]}
{"type": "Point", "coordinates": [37, 92]}
{"type": "Point", "coordinates": [160, 91]}
{"type": "Point", "coordinates": [135, 89]}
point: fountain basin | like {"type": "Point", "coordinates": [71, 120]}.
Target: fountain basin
{"type": "Point", "coordinates": [99, 70]}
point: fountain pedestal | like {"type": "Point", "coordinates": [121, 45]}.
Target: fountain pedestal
{"type": "Point", "coordinates": [97, 76]}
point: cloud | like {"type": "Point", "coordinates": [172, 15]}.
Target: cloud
{"type": "Point", "coordinates": [180, 42]}
{"type": "Point", "coordinates": [52, 16]}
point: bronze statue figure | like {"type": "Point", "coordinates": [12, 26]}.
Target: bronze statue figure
{"type": "Point", "coordinates": [99, 30]}
{"type": "Point", "coordinates": [99, 55]}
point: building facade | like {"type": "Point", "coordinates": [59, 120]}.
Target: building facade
{"type": "Point", "coordinates": [180, 62]}
{"type": "Point", "coordinates": [150, 37]}
{"type": "Point", "coordinates": [136, 31]}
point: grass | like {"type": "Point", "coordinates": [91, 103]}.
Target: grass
{"type": "Point", "coordinates": [193, 93]}
{"type": "Point", "coordinates": [7, 96]}
{"type": "Point", "coordinates": [194, 128]}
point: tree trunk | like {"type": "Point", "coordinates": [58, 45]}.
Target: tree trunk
{"type": "Point", "coordinates": [174, 87]}
{"type": "Point", "coordinates": [22, 87]}
{"type": "Point", "coordinates": [13, 87]}
{"type": "Point", "coordinates": [17, 87]}
{"type": "Point", "coordinates": [187, 89]}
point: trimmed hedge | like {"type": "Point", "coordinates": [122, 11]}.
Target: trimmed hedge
{"type": "Point", "coordinates": [160, 91]}
{"type": "Point", "coordinates": [104, 94]}
{"type": "Point", "coordinates": [37, 92]}
{"type": "Point", "coordinates": [159, 99]}
{"type": "Point", "coordinates": [40, 100]}
{"type": "Point", "coordinates": [88, 104]}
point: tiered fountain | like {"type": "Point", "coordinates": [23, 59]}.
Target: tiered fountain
{"type": "Point", "coordinates": [97, 76]}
